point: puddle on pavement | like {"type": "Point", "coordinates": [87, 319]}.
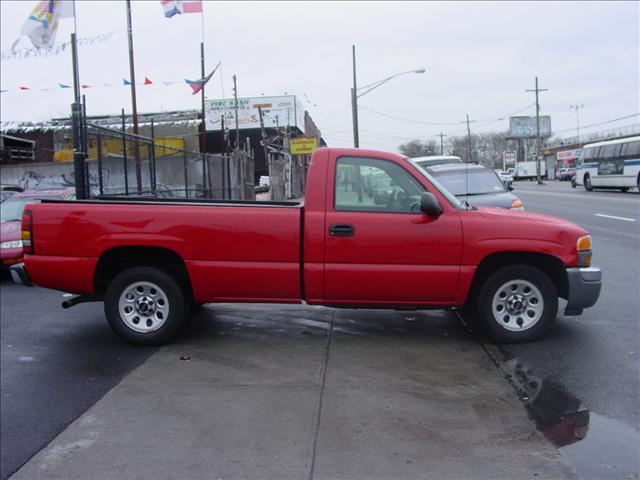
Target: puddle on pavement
{"type": "Point", "coordinates": [599, 447]}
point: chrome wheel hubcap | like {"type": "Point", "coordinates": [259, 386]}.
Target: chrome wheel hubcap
{"type": "Point", "coordinates": [143, 307]}
{"type": "Point", "coordinates": [517, 305]}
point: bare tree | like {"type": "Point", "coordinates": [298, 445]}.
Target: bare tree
{"type": "Point", "coordinates": [418, 148]}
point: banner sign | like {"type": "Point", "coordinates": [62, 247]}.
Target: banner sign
{"type": "Point", "coordinates": [303, 145]}
{"type": "Point", "coordinates": [276, 112]}
{"type": "Point", "coordinates": [525, 127]}
{"type": "Point", "coordinates": [568, 154]}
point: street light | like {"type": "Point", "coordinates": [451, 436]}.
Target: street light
{"type": "Point", "coordinates": [577, 107]}
{"type": "Point", "coordinates": [367, 88]}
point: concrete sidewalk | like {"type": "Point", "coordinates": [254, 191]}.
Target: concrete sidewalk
{"type": "Point", "coordinates": [255, 391]}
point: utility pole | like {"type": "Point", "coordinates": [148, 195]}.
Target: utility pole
{"type": "Point", "coordinates": [538, 140]}
{"type": "Point", "coordinates": [469, 154]}
{"type": "Point", "coordinates": [76, 124]}
{"type": "Point", "coordinates": [441, 142]}
{"type": "Point", "coordinates": [577, 107]}
{"type": "Point", "coordinates": [235, 97]}
{"type": "Point", "coordinates": [354, 102]}
{"type": "Point", "coordinates": [134, 106]}
{"type": "Point", "coordinates": [264, 140]}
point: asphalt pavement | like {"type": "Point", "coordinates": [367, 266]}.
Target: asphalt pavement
{"type": "Point", "coordinates": [308, 392]}
{"type": "Point", "coordinates": [595, 358]}
{"type": "Point", "coordinates": [277, 391]}
{"type": "Point", "coordinates": [55, 364]}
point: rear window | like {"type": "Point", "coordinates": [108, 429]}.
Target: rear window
{"type": "Point", "coordinates": [470, 182]}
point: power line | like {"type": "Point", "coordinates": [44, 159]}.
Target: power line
{"type": "Point", "coordinates": [601, 123]}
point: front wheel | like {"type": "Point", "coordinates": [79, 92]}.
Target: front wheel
{"type": "Point", "coordinates": [517, 304]}
{"type": "Point", "coordinates": [587, 183]}
{"type": "Point", "coordinates": [573, 182]}
{"type": "Point", "coordinates": [145, 306]}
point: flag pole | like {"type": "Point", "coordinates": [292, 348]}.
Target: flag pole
{"type": "Point", "coordinates": [76, 119]}
{"type": "Point", "coordinates": [134, 107]}
{"type": "Point", "coordinates": [203, 138]}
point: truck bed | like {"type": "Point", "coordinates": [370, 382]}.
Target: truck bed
{"type": "Point", "coordinates": [228, 247]}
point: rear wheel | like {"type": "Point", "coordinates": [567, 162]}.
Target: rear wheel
{"type": "Point", "coordinates": [587, 183]}
{"type": "Point", "coordinates": [517, 304]}
{"type": "Point", "coordinates": [145, 306]}
{"type": "Point", "coordinates": [573, 182]}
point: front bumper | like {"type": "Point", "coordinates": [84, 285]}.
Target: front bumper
{"type": "Point", "coordinates": [584, 289]}
{"type": "Point", "coordinates": [20, 276]}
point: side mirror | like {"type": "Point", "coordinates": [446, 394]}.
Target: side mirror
{"type": "Point", "coordinates": [429, 205]}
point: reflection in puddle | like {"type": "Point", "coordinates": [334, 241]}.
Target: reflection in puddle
{"type": "Point", "coordinates": [611, 451]}
{"type": "Point", "coordinates": [561, 417]}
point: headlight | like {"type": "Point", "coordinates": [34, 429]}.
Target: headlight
{"type": "Point", "coordinates": [584, 247]}
{"type": "Point", "coordinates": [12, 244]}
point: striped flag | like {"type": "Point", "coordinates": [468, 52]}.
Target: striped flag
{"type": "Point", "coordinates": [178, 7]}
{"type": "Point", "coordinates": [196, 85]}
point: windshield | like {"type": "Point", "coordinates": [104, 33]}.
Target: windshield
{"type": "Point", "coordinates": [441, 188]}
{"type": "Point", "coordinates": [470, 182]}
{"type": "Point", "coordinates": [11, 209]}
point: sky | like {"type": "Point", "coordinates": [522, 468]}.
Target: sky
{"type": "Point", "coordinates": [480, 58]}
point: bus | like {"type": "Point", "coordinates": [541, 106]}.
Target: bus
{"type": "Point", "coordinates": [610, 164]}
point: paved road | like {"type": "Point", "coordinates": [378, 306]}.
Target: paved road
{"type": "Point", "coordinates": [55, 364]}
{"type": "Point", "coordinates": [595, 357]}
{"type": "Point", "coordinates": [58, 364]}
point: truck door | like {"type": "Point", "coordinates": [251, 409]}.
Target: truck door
{"type": "Point", "coordinates": [379, 247]}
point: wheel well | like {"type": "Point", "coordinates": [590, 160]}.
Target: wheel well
{"type": "Point", "coordinates": [118, 259]}
{"type": "Point", "coordinates": [548, 264]}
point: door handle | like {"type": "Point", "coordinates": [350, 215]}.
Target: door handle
{"type": "Point", "coordinates": [341, 230]}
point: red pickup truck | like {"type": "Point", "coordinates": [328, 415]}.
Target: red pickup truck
{"type": "Point", "coordinates": [375, 231]}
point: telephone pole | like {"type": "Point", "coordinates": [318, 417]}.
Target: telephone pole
{"type": "Point", "coordinates": [134, 105]}
{"type": "Point", "coordinates": [441, 142]}
{"type": "Point", "coordinates": [538, 140]}
{"type": "Point", "coordinates": [354, 102]}
{"type": "Point", "coordinates": [469, 156]}
{"type": "Point", "coordinates": [235, 98]}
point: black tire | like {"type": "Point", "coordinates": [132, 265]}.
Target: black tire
{"type": "Point", "coordinates": [624, 189]}
{"type": "Point", "coordinates": [161, 321]}
{"type": "Point", "coordinates": [195, 307]}
{"type": "Point", "coordinates": [587, 183]}
{"type": "Point", "coordinates": [515, 328]}
{"type": "Point", "coordinates": [573, 183]}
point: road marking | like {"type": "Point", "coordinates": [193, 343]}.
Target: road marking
{"type": "Point", "coordinates": [614, 217]}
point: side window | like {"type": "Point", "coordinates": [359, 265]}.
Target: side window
{"type": "Point", "coordinates": [371, 185]}
{"type": "Point", "coordinates": [631, 150]}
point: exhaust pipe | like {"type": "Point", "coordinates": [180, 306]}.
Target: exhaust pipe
{"type": "Point", "coordinates": [70, 302]}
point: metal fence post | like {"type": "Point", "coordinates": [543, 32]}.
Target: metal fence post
{"type": "Point", "coordinates": [99, 146]}
{"type": "Point", "coordinates": [152, 161]}
{"type": "Point", "coordinates": [204, 176]}
{"type": "Point", "coordinates": [124, 154]}
{"type": "Point", "coordinates": [186, 182]}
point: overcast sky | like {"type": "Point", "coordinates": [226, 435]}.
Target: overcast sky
{"type": "Point", "coordinates": [480, 58]}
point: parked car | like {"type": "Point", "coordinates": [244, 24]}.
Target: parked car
{"type": "Point", "coordinates": [10, 218]}
{"type": "Point", "coordinates": [566, 174]}
{"type": "Point", "coordinates": [150, 259]}
{"type": "Point", "coordinates": [505, 177]}
{"type": "Point", "coordinates": [476, 184]}
{"type": "Point", "coordinates": [433, 160]}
